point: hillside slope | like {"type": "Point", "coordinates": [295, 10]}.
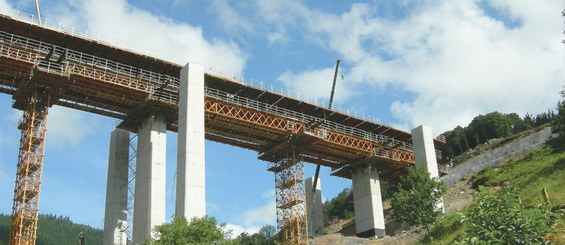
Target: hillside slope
{"type": "Point", "coordinates": [54, 230]}
{"type": "Point", "coordinates": [523, 162]}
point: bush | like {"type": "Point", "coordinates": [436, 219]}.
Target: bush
{"type": "Point", "coordinates": [417, 197]}
{"type": "Point", "coordinates": [500, 218]}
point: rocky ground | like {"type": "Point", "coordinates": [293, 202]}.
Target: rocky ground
{"type": "Point", "coordinates": [456, 198]}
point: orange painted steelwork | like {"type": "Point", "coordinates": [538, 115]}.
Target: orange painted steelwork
{"type": "Point", "coordinates": [253, 117]}
{"type": "Point", "coordinates": [29, 169]}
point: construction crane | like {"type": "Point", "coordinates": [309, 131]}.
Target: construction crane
{"type": "Point", "coordinates": [330, 104]}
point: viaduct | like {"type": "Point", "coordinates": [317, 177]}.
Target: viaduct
{"type": "Point", "coordinates": [42, 66]}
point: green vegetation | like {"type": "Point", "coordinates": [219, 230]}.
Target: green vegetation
{"type": "Point", "coordinates": [544, 168]}
{"type": "Point", "coordinates": [340, 207]}
{"type": "Point", "coordinates": [415, 201]}
{"type": "Point", "coordinates": [203, 230]}
{"type": "Point", "coordinates": [206, 230]}
{"type": "Point", "coordinates": [54, 229]}
{"type": "Point", "coordinates": [490, 126]}
{"type": "Point", "coordinates": [499, 217]}
{"type": "Point", "coordinates": [266, 236]}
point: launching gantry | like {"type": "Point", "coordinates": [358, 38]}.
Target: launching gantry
{"type": "Point", "coordinates": [41, 66]}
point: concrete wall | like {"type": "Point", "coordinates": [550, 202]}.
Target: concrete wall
{"type": "Point", "coordinates": [115, 215]}
{"type": "Point", "coordinates": [367, 200]}
{"type": "Point", "coordinates": [315, 212]}
{"type": "Point", "coordinates": [191, 184]}
{"type": "Point", "coordinates": [512, 150]}
{"type": "Point", "coordinates": [149, 201]}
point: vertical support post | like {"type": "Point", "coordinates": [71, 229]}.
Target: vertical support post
{"type": "Point", "coordinates": [191, 182]}
{"type": "Point", "coordinates": [115, 217]}
{"type": "Point", "coordinates": [149, 201]}
{"type": "Point", "coordinates": [314, 206]}
{"type": "Point", "coordinates": [425, 154]}
{"type": "Point", "coordinates": [367, 202]}
{"type": "Point", "coordinates": [33, 127]}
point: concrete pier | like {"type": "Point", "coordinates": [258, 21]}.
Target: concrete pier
{"type": "Point", "coordinates": [367, 201]}
{"type": "Point", "coordinates": [315, 212]}
{"type": "Point", "coordinates": [115, 215]}
{"type": "Point", "coordinates": [191, 184]}
{"type": "Point", "coordinates": [425, 153]}
{"type": "Point", "coordinates": [149, 202]}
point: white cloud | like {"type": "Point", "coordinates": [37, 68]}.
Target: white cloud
{"type": "Point", "coordinates": [134, 28]}
{"type": "Point", "coordinates": [253, 219]}
{"type": "Point", "coordinates": [454, 59]}
{"type": "Point", "coordinates": [68, 127]}
{"type": "Point", "coordinates": [236, 230]}
{"type": "Point", "coordinates": [316, 84]}
{"type": "Point", "coordinates": [229, 17]}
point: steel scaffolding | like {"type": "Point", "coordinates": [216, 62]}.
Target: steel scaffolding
{"type": "Point", "coordinates": [291, 200]}
{"type": "Point", "coordinates": [132, 160]}
{"type": "Point", "coordinates": [33, 127]}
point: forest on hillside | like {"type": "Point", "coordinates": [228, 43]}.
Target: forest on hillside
{"type": "Point", "coordinates": [53, 229]}
{"type": "Point", "coordinates": [493, 125]}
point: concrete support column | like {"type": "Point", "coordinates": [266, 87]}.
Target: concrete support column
{"type": "Point", "coordinates": [191, 184]}
{"type": "Point", "coordinates": [115, 216]}
{"type": "Point", "coordinates": [425, 153]}
{"type": "Point", "coordinates": [367, 201]}
{"type": "Point", "coordinates": [314, 207]}
{"type": "Point", "coordinates": [149, 201]}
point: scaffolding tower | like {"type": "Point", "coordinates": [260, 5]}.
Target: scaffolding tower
{"type": "Point", "coordinates": [291, 199]}
{"type": "Point", "coordinates": [132, 160]}
{"type": "Point", "coordinates": [33, 126]}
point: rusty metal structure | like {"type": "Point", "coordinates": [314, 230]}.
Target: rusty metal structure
{"type": "Point", "coordinates": [33, 99]}
{"type": "Point", "coordinates": [41, 66]}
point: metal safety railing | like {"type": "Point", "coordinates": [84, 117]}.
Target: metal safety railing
{"type": "Point", "coordinates": [304, 118]}
{"type": "Point", "coordinates": [157, 80]}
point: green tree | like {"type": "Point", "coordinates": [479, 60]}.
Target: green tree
{"type": "Point", "coordinates": [265, 236]}
{"type": "Point", "coordinates": [558, 142]}
{"type": "Point", "coordinates": [339, 207]}
{"type": "Point", "coordinates": [417, 197]}
{"type": "Point", "coordinates": [500, 218]}
{"type": "Point", "coordinates": [199, 231]}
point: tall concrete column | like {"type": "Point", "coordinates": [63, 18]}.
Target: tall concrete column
{"type": "Point", "coordinates": [115, 216]}
{"type": "Point", "coordinates": [191, 184]}
{"type": "Point", "coordinates": [149, 201]}
{"type": "Point", "coordinates": [314, 207]}
{"type": "Point", "coordinates": [425, 153]}
{"type": "Point", "coordinates": [367, 202]}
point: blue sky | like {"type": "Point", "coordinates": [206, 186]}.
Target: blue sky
{"type": "Point", "coordinates": [408, 63]}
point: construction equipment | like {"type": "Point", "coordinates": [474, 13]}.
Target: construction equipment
{"type": "Point", "coordinates": [330, 104]}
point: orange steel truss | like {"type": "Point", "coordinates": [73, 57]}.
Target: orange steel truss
{"type": "Point", "coordinates": [291, 201]}
{"type": "Point", "coordinates": [29, 169]}
{"type": "Point", "coordinates": [250, 116]}
{"type": "Point", "coordinates": [351, 142]}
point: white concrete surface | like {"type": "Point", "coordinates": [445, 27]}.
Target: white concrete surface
{"type": "Point", "coordinates": [149, 201]}
{"type": "Point", "coordinates": [191, 183]}
{"type": "Point", "coordinates": [425, 154]}
{"type": "Point", "coordinates": [367, 201]}
{"type": "Point", "coordinates": [115, 215]}
{"type": "Point", "coordinates": [315, 212]}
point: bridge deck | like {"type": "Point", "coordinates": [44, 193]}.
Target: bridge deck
{"type": "Point", "coordinates": [100, 78]}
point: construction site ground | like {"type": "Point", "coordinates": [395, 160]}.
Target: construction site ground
{"type": "Point", "coordinates": [456, 198]}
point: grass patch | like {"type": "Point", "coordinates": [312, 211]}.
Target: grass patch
{"type": "Point", "coordinates": [445, 230]}
{"type": "Point", "coordinates": [540, 169]}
